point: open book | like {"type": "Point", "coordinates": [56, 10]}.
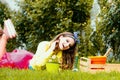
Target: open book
{"type": "Point", "coordinates": [9, 29]}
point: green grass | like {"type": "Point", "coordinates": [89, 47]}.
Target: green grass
{"type": "Point", "coordinates": [15, 74]}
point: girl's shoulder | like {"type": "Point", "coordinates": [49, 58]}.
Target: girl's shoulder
{"type": "Point", "coordinates": [44, 43]}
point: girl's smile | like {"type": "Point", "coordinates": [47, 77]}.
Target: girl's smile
{"type": "Point", "coordinates": [65, 42]}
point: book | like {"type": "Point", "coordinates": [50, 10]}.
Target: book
{"type": "Point", "coordinates": [9, 29]}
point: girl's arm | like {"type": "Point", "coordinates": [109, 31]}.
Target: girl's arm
{"type": "Point", "coordinates": [45, 49]}
{"type": "Point", "coordinates": [3, 42]}
{"type": "Point", "coordinates": [42, 54]}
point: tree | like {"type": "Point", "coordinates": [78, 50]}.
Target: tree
{"type": "Point", "coordinates": [110, 25]}
{"type": "Point", "coordinates": [41, 20]}
{"type": "Point", "coordinates": [5, 14]}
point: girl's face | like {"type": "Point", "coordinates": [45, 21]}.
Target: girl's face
{"type": "Point", "coordinates": [65, 42]}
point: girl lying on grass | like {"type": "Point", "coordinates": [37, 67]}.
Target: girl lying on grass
{"type": "Point", "coordinates": [63, 46]}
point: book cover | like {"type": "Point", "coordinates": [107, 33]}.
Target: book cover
{"type": "Point", "coordinates": [9, 29]}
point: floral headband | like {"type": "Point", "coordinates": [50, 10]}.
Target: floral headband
{"type": "Point", "coordinates": [76, 37]}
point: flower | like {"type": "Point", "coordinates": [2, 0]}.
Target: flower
{"type": "Point", "coordinates": [53, 59]}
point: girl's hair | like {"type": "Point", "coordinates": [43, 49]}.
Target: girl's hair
{"type": "Point", "coordinates": [67, 55]}
{"type": "Point", "coordinates": [64, 34]}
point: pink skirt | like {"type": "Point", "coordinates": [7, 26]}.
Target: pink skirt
{"type": "Point", "coordinates": [16, 59]}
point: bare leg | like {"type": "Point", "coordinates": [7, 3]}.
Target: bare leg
{"type": "Point", "coordinates": [3, 42]}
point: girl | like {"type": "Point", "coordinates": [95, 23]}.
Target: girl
{"type": "Point", "coordinates": [63, 46]}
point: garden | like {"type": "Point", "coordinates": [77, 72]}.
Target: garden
{"type": "Point", "coordinates": [96, 21]}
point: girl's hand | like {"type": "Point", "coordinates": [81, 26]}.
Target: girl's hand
{"type": "Point", "coordinates": [4, 37]}
{"type": "Point", "coordinates": [53, 45]}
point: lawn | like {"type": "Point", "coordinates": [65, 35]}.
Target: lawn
{"type": "Point", "coordinates": [15, 74]}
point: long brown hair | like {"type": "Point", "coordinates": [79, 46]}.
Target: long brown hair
{"type": "Point", "coordinates": [67, 55]}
